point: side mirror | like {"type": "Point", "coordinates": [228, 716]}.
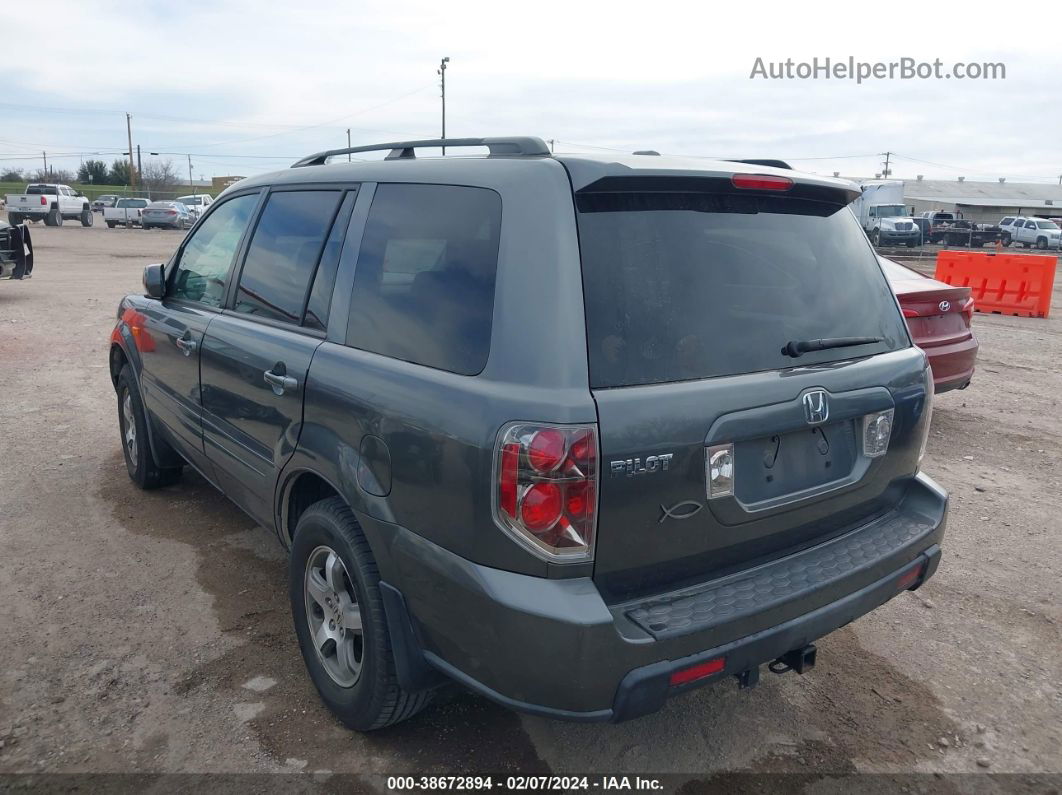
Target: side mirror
{"type": "Point", "coordinates": [154, 281]}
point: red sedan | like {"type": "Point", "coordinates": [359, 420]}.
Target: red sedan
{"type": "Point", "coordinates": [938, 317]}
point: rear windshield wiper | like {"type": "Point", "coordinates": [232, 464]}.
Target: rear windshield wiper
{"type": "Point", "coordinates": [797, 348]}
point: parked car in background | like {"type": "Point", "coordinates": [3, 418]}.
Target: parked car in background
{"type": "Point", "coordinates": [100, 203]}
{"type": "Point", "coordinates": [16, 251]}
{"type": "Point", "coordinates": [125, 212]}
{"type": "Point", "coordinates": [198, 203]}
{"type": "Point", "coordinates": [50, 203]}
{"type": "Point", "coordinates": [170, 215]}
{"type": "Point", "coordinates": [939, 318]}
{"type": "Point", "coordinates": [717, 474]}
{"type": "Point", "coordinates": [1038, 232]}
{"type": "Point", "coordinates": [933, 224]}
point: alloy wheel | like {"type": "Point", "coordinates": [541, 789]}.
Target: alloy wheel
{"type": "Point", "coordinates": [334, 616]}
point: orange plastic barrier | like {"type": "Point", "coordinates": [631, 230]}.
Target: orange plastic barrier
{"type": "Point", "coordinates": [1006, 284]}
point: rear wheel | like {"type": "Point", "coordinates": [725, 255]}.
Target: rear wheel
{"type": "Point", "coordinates": [132, 422]}
{"type": "Point", "coordinates": [14, 219]}
{"type": "Point", "coordinates": [1041, 243]}
{"type": "Point", "coordinates": [334, 587]}
{"type": "Point", "coordinates": [1007, 240]}
{"type": "Point", "coordinates": [86, 217]}
{"type": "Point", "coordinates": [111, 224]}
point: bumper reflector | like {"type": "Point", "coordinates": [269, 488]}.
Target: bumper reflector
{"type": "Point", "coordinates": [909, 578]}
{"type": "Point", "coordinates": [698, 671]}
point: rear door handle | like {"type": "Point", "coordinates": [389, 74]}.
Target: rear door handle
{"type": "Point", "coordinates": [187, 345]}
{"type": "Point", "coordinates": [280, 383]}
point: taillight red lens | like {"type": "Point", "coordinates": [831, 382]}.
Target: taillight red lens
{"type": "Point", "coordinates": [909, 578]}
{"type": "Point", "coordinates": [547, 488]}
{"type": "Point", "coordinates": [698, 671]}
{"type": "Point", "coordinates": [761, 182]}
{"type": "Point", "coordinates": [507, 478]}
{"type": "Point", "coordinates": [44, 201]}
{"type": "Point", "coordinates": [547, 449]}
{"type": "Point", "coordinates": [540, 509]}
{"type": "Point", "coordinates": [910, 312]}
{"type": "Point", "coordinates": [967, 307]}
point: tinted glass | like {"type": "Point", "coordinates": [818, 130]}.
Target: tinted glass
{"type": "Point", "coordinates": [205, 261]}
{"type": "Point", "coordinates": [679, 286]}
{"type": "Point", "coordinates": [424, 282]}
{"type": "Point", "coordinates": [325, 279]}
{"type": "Point", "coordinates": [283, 254]}
{"type": "Point", "coordinates": [39, 190]}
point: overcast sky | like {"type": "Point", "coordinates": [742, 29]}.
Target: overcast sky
{"type": "Point", "coordinates": [247, 87]}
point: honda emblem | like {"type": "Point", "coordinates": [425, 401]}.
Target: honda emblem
{"type": "Point", "coordinates": [816, 407]}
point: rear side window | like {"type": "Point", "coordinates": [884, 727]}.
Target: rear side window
{"type": "Point", "coordinates": [283, 253]}
{"type": "Point", "coordinates": [681, 286]}
{"type": "Point", "coordinates": [424, 281]}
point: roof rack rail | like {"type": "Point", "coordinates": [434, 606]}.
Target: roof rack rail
{"type": "Point", "coordinates": [523, 146]}
{"type": "Point", "coordinates": [768, 163]}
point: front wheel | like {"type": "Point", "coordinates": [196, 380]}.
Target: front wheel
{"type": "Point", "coordinates": [912, 243]}
{"type": "Point", "coordinates": [111, 224]}
{"type": "Point", "coordinates": [86, 217]}
{"type": "Point", "coordinates": [334, 587]}
{"type": "Point", "coordinates": [132, 422]}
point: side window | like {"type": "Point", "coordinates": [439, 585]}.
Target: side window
{"type": "Point", "coordinates": [424, 281]}
{"type": "Point", "coordinates": [208, 254]}
{"type": "Point", "coordinates": [325, 279]}
{"type": "Point", "coordinates": [284, 252]}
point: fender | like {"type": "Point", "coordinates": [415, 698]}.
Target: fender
{"type": "Point", "coordinates": [122, 339]}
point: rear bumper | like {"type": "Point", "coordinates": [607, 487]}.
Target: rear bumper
{"type": "Point", "coordinates": [952, 364]}
{"type": "Point", "coordinates": [554, 648]}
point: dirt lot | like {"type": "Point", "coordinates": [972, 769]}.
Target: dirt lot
{"type": "Point", "coordinates": [151, 632]}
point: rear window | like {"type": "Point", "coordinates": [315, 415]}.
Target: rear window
{"type": "Point", "coordinates": [681, 286]}
{"type": "Point", "coordinates": [424, 281]}
{"type": "Point", "coordinates": [132, 203]}
{"type": "Point", "coordinates": [41, 190]}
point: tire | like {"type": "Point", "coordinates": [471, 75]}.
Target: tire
{"type": "Point", "coordinates": [143, 470]}
{"type": "Point", "coordinates": [1026, 245]}
{"type": "Point", "coordinates": [1041, 243]}
{"type": "Point", "coordinates": [14, 219]}
{"type": "Point", "coordinates": [86, 217]}
{"type": "Point", "coordinates": [111, 224]}
{"type": "Point", "coordinates": [875, 237]}
{"type": "Point", "coordinates": [911, 243]}
{"type": "Point", "coordinates": [57, 218]}
{"type": "Point", "coordinates": [365, 694]}
{"type": "Point", "coordinates": [1007, 240]}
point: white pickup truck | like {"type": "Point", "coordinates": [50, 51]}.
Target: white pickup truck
{"type": "Point", "coordinates": [126, 212]}
{"type": "Point", "coordinates": [49, 203]}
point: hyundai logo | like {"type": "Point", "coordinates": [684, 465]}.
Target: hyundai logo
{"type": "Point", "coordinates": [944, 306]}
{"type": "Point", "coordinates": [816, 407]}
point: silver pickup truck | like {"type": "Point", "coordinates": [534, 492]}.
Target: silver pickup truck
{"type": "Point", "coordinates": [49, 203]}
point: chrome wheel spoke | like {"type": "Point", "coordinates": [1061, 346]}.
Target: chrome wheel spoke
{"type": "Point", "coordinates": [352, 618]}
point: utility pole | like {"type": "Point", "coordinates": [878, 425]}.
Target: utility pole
{"type": "Point", "coordinates": [551, 142]}
{"type": "Point", "coordinates": [45, 164]}
{"type": "Point", "coordinates": [348, 144]}
{"type": "Point", "coordinates": [887, 156]}
{"type": "Point", "coordinates": [442, 73]}
{"type": "Point", "coordinates": [139, 168]}
{"type": "Point", "coordinates": [129, 131]}
{"type": "Point", "coordinates": [190, 182]}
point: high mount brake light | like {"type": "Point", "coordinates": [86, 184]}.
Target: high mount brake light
{"type": "Point", "coordinates": [546, 488]}
{"type": "Point", "coordinates": [761, 182]}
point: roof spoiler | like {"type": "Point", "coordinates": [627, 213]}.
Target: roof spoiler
{"type": "Point", "coordinates": [768, 163]}
{"type": "Point", "coordinates": [519, 146]}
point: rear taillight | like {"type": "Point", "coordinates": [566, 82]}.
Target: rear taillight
{"type": "Point", "coordinates": [44, 201]}
{"type": "Point", "coordinates": [910, 312]}
{"type": "Point", "coordinates": [927, 410]}
{"type": "Point", "coordinates": [967, 310]}
{"type": "Point", "coordinates": [546, 488]}
{"type": "Point", "coordinates": [761, 182]}
{"type": "Point", "coordinates": [171, 212]}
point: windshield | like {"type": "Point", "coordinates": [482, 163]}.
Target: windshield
{"type": "Point", "coordinates": [679, 286]}
{"type": "Point", "coordinates": [191, 201]}
{"type": "Point", "coordinates": [891, 210]}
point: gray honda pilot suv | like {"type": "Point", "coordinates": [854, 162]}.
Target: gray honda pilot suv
{"type": "Point", "coordinates": [577, 432]}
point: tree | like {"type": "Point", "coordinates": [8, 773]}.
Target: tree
{"type": "Point", "coordinates": [119, 173]}
{"type": "Point", "coordinates": [52, 175]}
{"type": "Point", "coordinates": [93, 172]}
{"type": "Point", "coordinates": [12, 175]}
{"type": "Point", "coordinates": [159, 176]}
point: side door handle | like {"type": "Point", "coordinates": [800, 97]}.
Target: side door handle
{"type": "Point", "coordinates": [280, 381]}
{"type": "Point", "coordinates": [187, 345]}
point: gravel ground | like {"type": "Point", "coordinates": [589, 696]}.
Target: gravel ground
{"type": "Point", "coordinates": [150, 632]}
